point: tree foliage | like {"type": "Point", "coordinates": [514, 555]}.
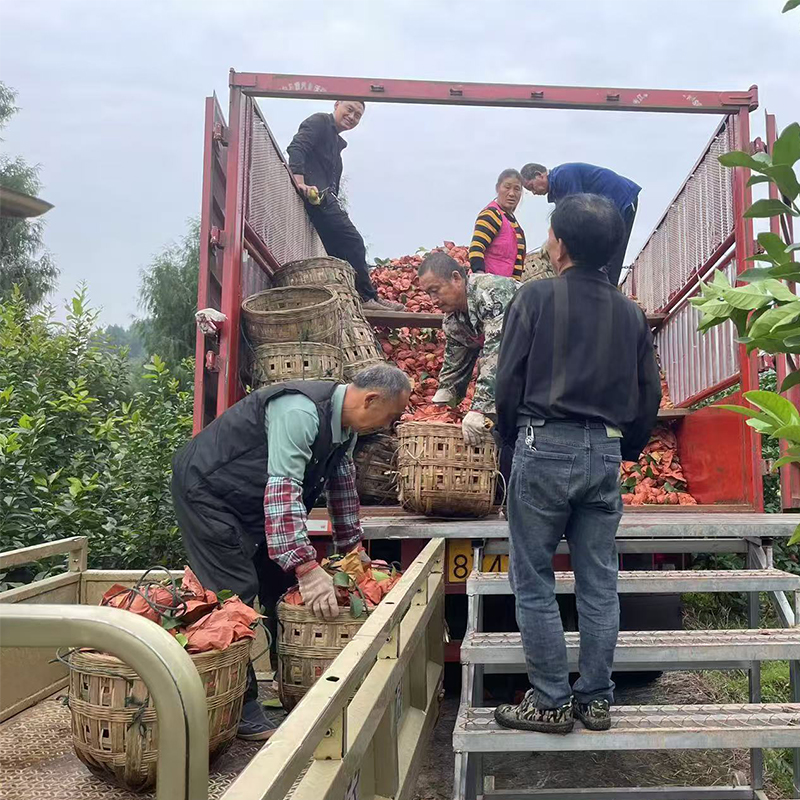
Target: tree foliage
{"type": "Point", "coordinates": [23, 260]}
{"type": "Point", "coordinates": [80, 454]}
{"type": "Point", "coordinates": [168, 293]}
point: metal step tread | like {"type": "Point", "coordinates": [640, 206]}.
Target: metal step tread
{"type": "Point", "coordinates": [651, 647]}
{"type": "Point", "coordinates": [657, 581]}
{"type": "Point", "coordinates": [686, 727]}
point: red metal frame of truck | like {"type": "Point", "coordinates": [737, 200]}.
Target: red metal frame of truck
{"type": "Point", "coordinates": [253, 221]}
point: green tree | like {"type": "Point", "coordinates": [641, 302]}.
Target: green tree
{"type": "Point", "coordinates": [168, 293]}
{"type": "Point", "coordinates": [80, 454]}
{"type": "Point", "coordinates": [23, 260]}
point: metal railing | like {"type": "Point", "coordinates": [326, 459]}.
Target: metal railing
{"type": "Point", "coordinates": [361, 729]}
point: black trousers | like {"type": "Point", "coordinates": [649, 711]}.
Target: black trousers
{"type": "Point", "coordinates": [342, 240]}
{"type": "Point", "coordinates": [224, 555]}
{"type": "Point", "coordinates": [615, 262]}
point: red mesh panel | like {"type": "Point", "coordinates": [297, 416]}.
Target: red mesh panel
{"type": "Point", "coordinates": [697, 222]}
{"type": "Point", "coordinates": [274, 209]}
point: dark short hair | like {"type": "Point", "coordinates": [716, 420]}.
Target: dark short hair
{"type": "Point", "coordinates": [441, 265]}
{"type": "Point", "coordinates": [591, 228]}
{"type": "Point", "coordinates": [530, 171]}
{"type": "Point", "coordinates": [508, 173]}
{"type": "Point", "coordinates": [363, 104]}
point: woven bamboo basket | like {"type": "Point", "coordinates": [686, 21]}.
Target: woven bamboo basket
{"type": "Point", "coordinates": [441, 475]}
{"type": "Point", "coordinates": [296, 361]}
{"type": "Point", "coordinates": [317, 272]}
{"type": "Point", "coordinates": [349, 304]}
{"type": "Point", "coordinates": [360, 357]}
{"type": "Point", "coordinates": [376, 469]}
{"type": "Point", "coordinates": [307, 646]}
{"type": "Point", "coordinates": [293, 314]}
{"type": "Point", "coordinates": [114, 723]}
{"type": "Point", "coordinates": [359, 333]}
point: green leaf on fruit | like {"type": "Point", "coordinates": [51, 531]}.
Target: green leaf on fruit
{"type": "Point", "coordinates": [224, 595]}
{"type": "Point", "coordinates": [341, 579]}
{"type": "Point", "coordinates": [181, 639]}
{"type": "Point", "coordinates": [168, 623]}
{"type": "Point", "coordinates": [357, 607]}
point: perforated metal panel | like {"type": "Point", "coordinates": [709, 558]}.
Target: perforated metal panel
{"type": "Point", "coordinates": [274, 209]}
{"type": "Point", "coordinates": [696, 224]}
{"type": "Point", "coordinates": [694, 362]}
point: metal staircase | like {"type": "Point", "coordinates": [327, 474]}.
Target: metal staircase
{"type": "Point", "coordinates": [686, 727]}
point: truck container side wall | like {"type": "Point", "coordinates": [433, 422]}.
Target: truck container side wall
{"type": "Point", "coordinates": [262, 225]}
{"type": "Point", "coordinates": [714, 447]}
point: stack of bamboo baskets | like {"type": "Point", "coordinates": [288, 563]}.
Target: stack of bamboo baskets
{"type": "Point", "coordinates": [360, 349]}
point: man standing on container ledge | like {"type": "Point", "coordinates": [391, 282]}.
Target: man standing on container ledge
{"type": "Point", "coordinates": [473, 323]}
{"type": "Point", "coordinates": [577, 178]}
{"type": "Point", "coordinates": [315, 159]}
{"type": "Point", "coordinates": [258, 469]}
{"type": "Point", "coordinates": [578, 390]}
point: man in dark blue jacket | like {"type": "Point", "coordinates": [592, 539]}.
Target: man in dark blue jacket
{"type": "Point", "coordinates": [579, 178]}
{"type": "Point", "coordinates": [315, 159]}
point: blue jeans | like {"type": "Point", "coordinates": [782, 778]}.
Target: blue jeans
{"type": "Point", "coordinates": [566, 484]}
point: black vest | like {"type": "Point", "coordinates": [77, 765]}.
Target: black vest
{"type": "Point", "coordinates": [226, 463]}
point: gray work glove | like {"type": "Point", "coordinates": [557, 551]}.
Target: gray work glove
{"type": "Point", "coordinates": [316, 589]}
{"type": "Point", "coordinates": [443, 397]}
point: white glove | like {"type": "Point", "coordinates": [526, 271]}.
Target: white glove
{"type": "Point", "coordinates": [473, 427]}
{"type": "Point", "coordinates": [209, 320]}
{"type": "Point", "coordinates": [444, 396]}
{"type": "Point", "coordinates": [316, 589]}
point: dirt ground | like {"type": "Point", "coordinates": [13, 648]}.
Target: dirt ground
{"type": "Point", "coordinates": [599, 769]}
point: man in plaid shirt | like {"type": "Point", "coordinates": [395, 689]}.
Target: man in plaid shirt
{"type": "Point", "coordinates": [244, 486]}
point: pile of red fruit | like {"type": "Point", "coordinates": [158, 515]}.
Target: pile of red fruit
{"type": "Point", "coordinates": [656, 479]}
{"type": "Point", "coordinates": [396, 278]}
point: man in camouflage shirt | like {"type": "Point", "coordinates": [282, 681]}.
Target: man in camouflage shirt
{"type": "Point", "coordinates": [474, 308]}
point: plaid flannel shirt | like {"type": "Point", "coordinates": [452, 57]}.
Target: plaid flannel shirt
{"type": "Point", "coordinates": [343, 506]}
{"type": "Point", "coordinates": [285, 516]}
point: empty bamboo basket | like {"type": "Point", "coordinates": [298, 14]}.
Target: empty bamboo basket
{"type": "Point", "coordinates": [317, 272]}
{"type": "Point", "coordinates": [307, 646]}
{"type": "Point", "coordinates": [114, 723]}
{"type": "Point", "coordinates": [441, 475]}
{"type": "Point", "coordinates": [296, 361]}
{"type": "Point", "coordinates": [375, 457]}
{"type": "Point", "coordinates": [293, 314]}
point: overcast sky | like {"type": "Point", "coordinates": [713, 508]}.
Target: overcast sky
{"type": "Point", "coordinates": [112, 107]}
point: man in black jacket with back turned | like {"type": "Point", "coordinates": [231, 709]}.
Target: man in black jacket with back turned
{"type": "Point", "coordinates": [577, 391]}
{"type": "Point", "coordinates": [315, 159]}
